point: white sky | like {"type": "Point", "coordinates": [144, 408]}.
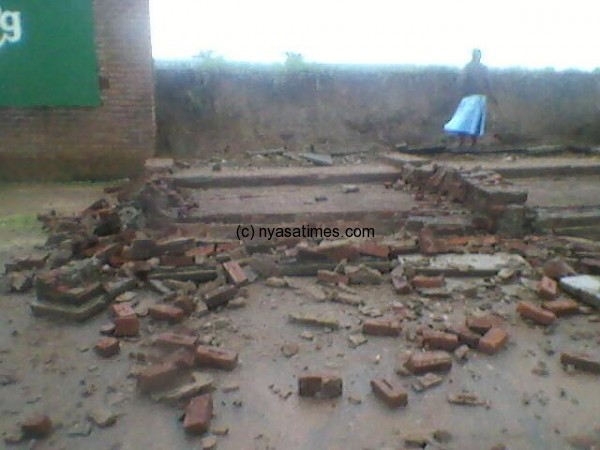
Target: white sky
{"type": "Point", "coordinates": [527, 33]}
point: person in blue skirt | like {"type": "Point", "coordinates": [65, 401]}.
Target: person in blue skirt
{"type": "Point", "coordinates": [469, 118]}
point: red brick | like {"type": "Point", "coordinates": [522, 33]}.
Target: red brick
{"type": "Point", "coordinates": [174, 246]}
{"type": "Point", "coordinates": [203, 250]}
{"type": "Point", "coordinates": [331, 386]}
{"type": "Point", "coordinates": [37, 426]}
{"type": "Point", "coordinates": [466, 336]}
{"type": "Point", "coordinates": [309, 385]}
{"type": "Point", "coordinates": [482, 324]}
{"type": "Point", "coordinates": [581, 361]}
{"type": "Point", "coordinates": [216, 357]}
{"type": "Point", "coordinates": [493, 341]}
{"type": "Point", "coordinates": [182, 358]}
{"type": "Point", "coordinates": [235, 273]}
{"type": "Point", "coordinates": [425, 282]}
{"type": "Point", "coordinates": [185, 303]}
{"type": "Point", "coordinates": [562, 307]}
{"type": "Point", "coordinates": [177, 260]}
{"type": "Point", "coordinates": [390, 393]}
{"type": "Point", "coordinates": [122, 310]}
{"type": "Point", "coordinates": [401, 284]}
{"type": "Point", "coordinates": [127, 326]}
{"type": "Point", "coordinates": [325, 385]}
{"type": "Point", "coordinates": [438, 340]}
{"type": "Point", "coordinates": [225, 247]}
{"type": "Point", "coordinates": [535, 313]}
{"type": "Point", "coordinates": [381, 327]}
{"type": "Point", "coordinates": [220, 296]}
{"type": "Point", "coordinates": [374, 249]}
{"type": "Point", "coordinates": [107, 347]}
{"type": "Point", "coordinates": [166, 313]}
{"type": "Point", "coordinates": [157, 377]}
{"type": "Point", "coordinates": [548, 288]}
{"type": "Point", "coordinates": [328, 276]}
{"type": "Point", "coordinates": [173, 340]}
{"type": "Point", "coordinates": [557, 269]}
{"type": "Point", "coordinates": [348, 252]}
{"type": "Point", "coordinates": [198, 414]}
{"type": "Point", "coordinates": [434, 361]}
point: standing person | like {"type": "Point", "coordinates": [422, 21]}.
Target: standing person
{"type": "Point", "coordinates": [469, 118]}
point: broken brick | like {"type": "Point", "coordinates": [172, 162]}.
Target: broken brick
{"type": "Point", "coordinates": [438, 340]}
{"type": "Point", "coordinates": [562, 308]}
{"type": "Point", "coordinates": [535, 313]}
{"type": "Point", "coordinates": [122, 310]}
{"type": "Point", "coordinates": [216, 357]}
{"type": "Point", "coordinates": [401, 284]}
{"type": "Point", "coordinates": [126, 326]}
{"type": "Point", "coordinates": [466, 336]}
{"type": "Point", "coordinates": [186, 303]}
{"type": "Point", "coordinates": [235, 273]}
{"type": "Point", "coordinates": [581, 361]}
{"type": "Point", "coordinates": [157, 376]}
{"type": "Point", "coordinates": [177, 261]}
{"type": "Point", "coordinates": [166, 313]}
{"type": "Point", "coordinates": [174, 246]}
{"type": "Point", "coordinates": [548, 288]}
{"type": "Point", "coordinates": [141, 249]}
{"type": "Point", "coordinates": [331, 386]}
{"type": "Point", "coordinates": [198, 414]}
{"type": "Point", "coordinates": [325, 385]}
{"type": "Point", "coordinates": [203, 250]}
{"type": "Point", "coordinates": [37, 426]}
{"type": "Point", "coordinates": [432, 361]}
{"type": "Point", "coordinates": [220, 296]}
{"type": "Point", "coordinates": [174, 340]}
{"type": "Point", "coordinates": [393, 395]}
{"type": "Point", "coordinates": [557, 269]}
{"type": "Point", "coordinates": [482, 324]}
{"type": "Point", "coordinates": [309, 385]}
{"type": "Point", "coordinates": [374, 249]}
{"type": "Point", "coordinates": [329, 276]}
{"type": "Point", "coordinates": [107, 347]}
{"type": "Point", "coordinates": [425, 282]}
{"type": "Point", "coordinates": [381, 327]}
{"type": "Point", "coordinates": [493, 341]}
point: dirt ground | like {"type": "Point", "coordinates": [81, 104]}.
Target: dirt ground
{"type": "Point", "coordinates": [50, 367]}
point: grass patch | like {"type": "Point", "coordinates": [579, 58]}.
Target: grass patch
{"type": "Point", "coordinates": [20, 222]}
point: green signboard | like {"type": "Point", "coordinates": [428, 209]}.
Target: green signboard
{"type": "Point", "coordinates": [48, 53]}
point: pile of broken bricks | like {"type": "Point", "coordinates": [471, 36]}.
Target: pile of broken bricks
{"type": "Point", "coordinates": [104, 259]}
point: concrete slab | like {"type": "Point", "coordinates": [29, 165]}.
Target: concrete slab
{"type": "Point", "coordinates": [528, 167]}
{"type": "Point", "coordinates": [467, 265]}
{"type": "Point", "coordinates": [272, 176]}
{"type": "Point", "coordinates": [583, 287]}
{"type": "Point", "coordinates": [578, 190]}
{"type": "Point", "coordinates": [294, 203]}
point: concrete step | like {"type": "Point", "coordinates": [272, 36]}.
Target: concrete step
{"type": "Point", "coordinates": [275, 176]}
{"type": "Point", "coordinates": [549, 219]}
{"type": "Point", "coordinates": [289, 203]}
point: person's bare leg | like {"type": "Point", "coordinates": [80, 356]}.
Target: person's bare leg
{"type": "Point", "coordinates": [473, 141]}
{"type": "Point", "coordinates": [461, 140]}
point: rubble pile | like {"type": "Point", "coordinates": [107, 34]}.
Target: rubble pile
{"type": "Point", "coordinates": [129, 260]}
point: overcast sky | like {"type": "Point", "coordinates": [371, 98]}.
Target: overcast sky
{"type": "Point", "coordinates": [527, 33]}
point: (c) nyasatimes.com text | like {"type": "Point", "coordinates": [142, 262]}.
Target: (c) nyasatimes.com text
{"type": "Point", "coordinates": [245, 232]}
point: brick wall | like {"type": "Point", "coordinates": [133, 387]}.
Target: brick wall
{"type": "Point", "coordinates": [92, 143]}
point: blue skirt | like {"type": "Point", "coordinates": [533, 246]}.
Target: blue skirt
{"type": "Point", "coordinates": [469, 118]}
